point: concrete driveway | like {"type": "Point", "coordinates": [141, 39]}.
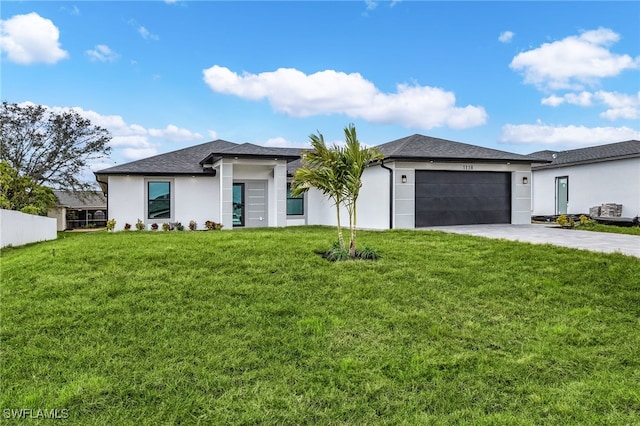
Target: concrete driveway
{"type": "Point", "coordinates": [548, 234]}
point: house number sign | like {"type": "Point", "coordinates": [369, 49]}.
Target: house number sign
{"type": "Point", "coordinates": [467, 167]}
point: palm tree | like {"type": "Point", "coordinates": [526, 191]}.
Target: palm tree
{"type": "Point", "coordinates": [323, 169]}
{"type": "Point", "coordinates": [355, 159]}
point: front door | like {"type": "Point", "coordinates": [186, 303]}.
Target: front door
{"type": "Point", "coordinates": [256, 202]}
{"type": "Point", "coordinates": [562, 194]}
{"type": "Point", "coordinates": [250, 204]}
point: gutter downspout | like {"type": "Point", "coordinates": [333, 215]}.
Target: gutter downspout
{"type": "Point", "coordinates": [390, 192]}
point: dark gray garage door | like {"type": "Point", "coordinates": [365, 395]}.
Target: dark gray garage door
{"type": "Point", "coordinates": [462, 198]}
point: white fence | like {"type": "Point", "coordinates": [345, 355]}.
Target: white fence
{"type": "Point", "coordinates": [18, 228]}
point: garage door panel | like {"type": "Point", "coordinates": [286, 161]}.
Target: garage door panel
{"type": "Point", "coordinates": [456, 198]}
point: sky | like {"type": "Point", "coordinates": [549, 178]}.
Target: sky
{"type": "Point", "coordinates": [164, 75]}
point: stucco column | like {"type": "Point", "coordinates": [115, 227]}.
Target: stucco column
{"type": "Point", "coordinates": [280, 183]}
{"type": "Point", "coordinates": [226, 194]}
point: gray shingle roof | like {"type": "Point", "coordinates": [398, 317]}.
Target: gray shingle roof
{"type": "Point", "coordinates": [251, 150]}
{"type": "Point", "coordinates": [182, 161]}
{"type": "Point", "coordinates": [84, 199]}
{"type": "Point", "coordinates": [419, 147]}
{"type": "Point", "coordinates": [416, 147]}
{"type": "Point", "coordinates": [594, 154]}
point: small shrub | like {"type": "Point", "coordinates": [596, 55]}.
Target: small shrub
{"type": "Point", "coordinates": [111, 224]}
{"type": "Point", "coordinates": [367, 253]}
{"type": "Point", "coordinates": [213, 226]}
{"type": "Point", "coordinates": [154, 226]}
{"type": "Point", "coordinates": [562, 220]}
{"type": "Point", "coordinates": [336, 254]}
{"type": "Point", "coordinates": [586, 221]}
{"type": "Point", "coordinates": [139, 225]}
{"type": "Point", "coordinates": [127, 226]}
{"type": "Point", "coordinates": [193, 225]}
{"type": "Point", "coordinates": [166, 227]}
{"type": "Point", "coordinates": [179, 226]}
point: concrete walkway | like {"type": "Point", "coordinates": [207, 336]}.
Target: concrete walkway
{"type": "Point", "coordinates": [548, 234]}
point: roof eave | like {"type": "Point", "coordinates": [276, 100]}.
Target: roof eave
{"type": "Point", "coordinates": [212, 158]}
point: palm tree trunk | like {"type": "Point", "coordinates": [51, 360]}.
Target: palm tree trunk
{"type": "Point", "coordinates": [340, 237]}
{"type": "Point", "coordinates": [352, 226]}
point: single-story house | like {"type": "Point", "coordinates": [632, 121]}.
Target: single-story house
{"type": "Point", "coordinates": [422, 181]}
{"type": "Point", "coordinates": [84, 209]}
{"type": "Point", "coordinates": [578, 179]}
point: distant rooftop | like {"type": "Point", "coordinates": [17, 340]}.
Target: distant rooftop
{"type": "Point", "coordinates": [81, 199]}
{"type": "Point", "coordinates": [594, 154]}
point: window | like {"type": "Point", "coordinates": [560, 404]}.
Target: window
{"type": "Point", "coordinates": [238, 204]}
{"type": "Point", "coordinates": [158, 200]}
{"type": "Point", "coordinates": [295, 205]}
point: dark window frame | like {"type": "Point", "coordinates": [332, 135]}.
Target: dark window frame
{"type": "Point", "coordinates": [299, 199]}
{"type": "Point", "coordinates": [148, 209]}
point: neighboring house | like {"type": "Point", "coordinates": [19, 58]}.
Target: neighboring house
{"type": "Point", "coordinates": [85, 209]}
{"type": "Point", "coordinates": [422, 181]}
{"type": "Point", "coordinates": [576, 180]}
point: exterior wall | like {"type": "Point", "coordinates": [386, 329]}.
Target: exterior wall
{"type": "Point", "coordinates": [193, 198]}
{"type": "Point", "coordinates": [590, 185]}
{"type": "Point", "coordinates": [372, 208]}
{"type": "Point", "coordinates": [404, 193]}
{"type": "Point", "coordinates": [60, 215]}
{"type": "Point", "coordinates": [17, 228]}
{"type": "Point", "coordinates": [200, 198]}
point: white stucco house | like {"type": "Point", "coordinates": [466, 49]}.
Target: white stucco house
{"type": "Point", "coordinates": [422, 181]}
{"type": "Point", "coordinates": [578, 179]}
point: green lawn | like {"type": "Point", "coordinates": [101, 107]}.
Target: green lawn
{"type": "Point", "coordinates": [253, 327]}
{"type": "Point", "coordinates": [598, 227]}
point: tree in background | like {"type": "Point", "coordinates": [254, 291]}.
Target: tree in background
{"type": "Point", "coordinates": [50, 147]}
{"type": "Point", "coordinates": [23, 193]}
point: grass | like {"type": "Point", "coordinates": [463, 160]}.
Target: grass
{"type": "Point", "coordinates": [598, 227]}
{"type": "Point", "coordinates": [253, 327]}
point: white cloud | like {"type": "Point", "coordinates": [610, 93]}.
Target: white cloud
{"type": "Point", "coordinates": [581, 99]}
{"type": "Point", "coordinates": [138, 153]}
{"type": "Point", "coordinates": [174, 133]}
{"type": "Point", "coordinates": [573, 62]}
{"type": "Point", "coordinates": [620, 105]}
{"type": "Point", "coordinates": [553, 100]}
{"type": "Point", "coordinates": [30, 38]}
{"type": "Point", "coordinates": [569, 136]}
{"type": "Point", "coordinates": [146, 34]}
{"type": "Point", "coordinates": [129, 141]}
{"type": "Point", "coordinates": [506, 37]}
{"type": "Point", "coordinates": [280, 142]}
{"type": "Point", "coordinates": [102, 53]}
{"type": "Point", "coordinates": [296, 94]}
{"type": "Point", "coordinates": [371, 4]}
{"type": "Point", "coordinates": [212, 134]}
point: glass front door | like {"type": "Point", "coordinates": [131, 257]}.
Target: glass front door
{"type": "Point", "coordinates": [238, 204]}
{"type": "Point", "coordinates": [562, 194]}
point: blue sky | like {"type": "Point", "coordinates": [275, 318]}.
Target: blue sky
{"type": "Point", "coordinates": [515, 76]}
